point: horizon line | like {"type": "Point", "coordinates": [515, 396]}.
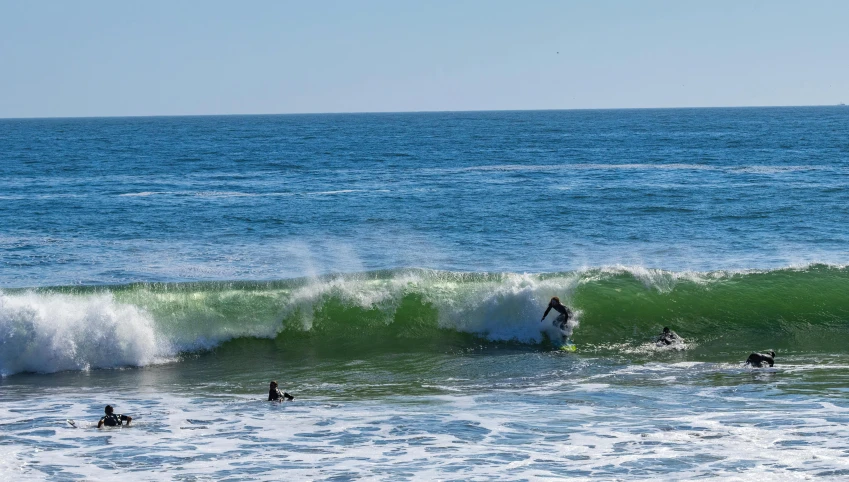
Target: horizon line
{"type": "Point", "coordinates": [418, 112]}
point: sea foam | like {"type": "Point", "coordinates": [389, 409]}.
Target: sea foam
{"type": "Point", "coordinates": [52, 332]}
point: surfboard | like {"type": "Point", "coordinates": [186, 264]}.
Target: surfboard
{"type": "Point", "coordinates": [568, 347]}
{"type": "Point", "coordinates": [71, 423]}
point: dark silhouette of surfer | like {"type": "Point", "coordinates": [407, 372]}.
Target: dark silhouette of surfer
{"type": "Point", "coordinates": [113, 419]}
{"type": "Point", "coordinates": [668, 337]}
{"type": "Point", "coordinates": [758, 359]}
{"type": "Point", "coordinates": [561, 321]}
{"type": "Point", "coordinates": [275, 395]}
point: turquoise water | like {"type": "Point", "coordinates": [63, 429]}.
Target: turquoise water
{"type": "Point", "coordinates": [390, 270]}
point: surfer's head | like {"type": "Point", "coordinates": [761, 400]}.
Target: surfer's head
{"type": "Point", "coordinates": [108, 410]}
{"type": "Point", "coordinates": [666, 329]}
{"type": "Point", "coordinates": [554, 299]}
{"type": "Point", "coordinates": [772, 353]}
{"type": "Point", "coordinates": [273, 384]}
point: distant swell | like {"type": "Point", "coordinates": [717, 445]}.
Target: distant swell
{"type": "Point", "coordinates": [78, 328]}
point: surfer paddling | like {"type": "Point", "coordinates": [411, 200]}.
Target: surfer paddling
{"type": "Point", "coordinates": [275, 395]}
{"type": "Point", "coordinates": [562, 319]}
{"type": "Point", "coordinates": [758, 359]}
{"type": "Point", "coordinates": [112, 419]}
{"type": "Point", "coordinates": [668, 337]}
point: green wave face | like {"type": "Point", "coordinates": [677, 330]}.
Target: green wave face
{"type": "Point", "coordinates": [804, 309]}
{"type": "Point", "coordinates": [800, 309]}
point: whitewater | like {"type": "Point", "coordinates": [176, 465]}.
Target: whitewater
{"type": "Point", "coordinates": [391, 270]}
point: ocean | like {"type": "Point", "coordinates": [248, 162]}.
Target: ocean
{"type": "Point", "coordinates": [391, 270]}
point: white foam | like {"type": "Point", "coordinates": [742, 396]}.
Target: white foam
{"type": "Point", "coordinates": [778, 169]}
{"type": "Point", "coordinates": [53, 332]}
{"type": "Point", "coordinates": [48, 331]}
{"type": "Point", "coordinates": [503, 307]}
{"type": "Point", "coordinates": [580, 166]}
{"type": "Point", "coordinates": [586, 429]}
{"type": "Point", "coordinates": [142, 194]}
{"type": "Point", "coordinates": [674, 166]}
{"type": "Point", "coordinates": [340, 191]}
{"type": "Point", "coordinates": [650, 348]}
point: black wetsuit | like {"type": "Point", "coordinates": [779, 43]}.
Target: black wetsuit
{"type": "Point", "coordinates": [758, 359]}
{"type": "Point", "coordinates": [561, 320]}
{"type": "Point", "coordinates": [275, 395]}
{"type": "Point", "coordinates": [668, 338]}
{"type": "Point", "coordinates": [114, 420]}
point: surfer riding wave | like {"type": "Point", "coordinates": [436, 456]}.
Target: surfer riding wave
{"type": "Point", "coordinates": [561, 322]}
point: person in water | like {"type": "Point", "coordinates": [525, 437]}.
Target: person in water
{"type": "Point", "coordinates": [668, 337]}
{"type": "Point", "coordinates": [275, 395]}
{"type": "Point", "coordinates": [112, 419]}
{"type": "Point", "coordinates": [561, 319]}
{"type": "Point", "coordinates": [758, 359]}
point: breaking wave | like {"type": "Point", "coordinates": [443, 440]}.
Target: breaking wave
{"type": "Point", "coordinates": [79, 328]}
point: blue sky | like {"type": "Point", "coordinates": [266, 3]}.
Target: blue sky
{"type": "Point", "coordinates": [106, 58]}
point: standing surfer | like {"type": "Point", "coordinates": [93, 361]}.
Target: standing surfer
{"type": "Point", "coordinates": [562, 319]}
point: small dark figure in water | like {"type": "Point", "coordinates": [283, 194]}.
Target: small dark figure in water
{"type": "Point", "coordinates": [275, 395]}
{"type": "Point", "coordinates": [758, 359]}
{"type": "Point", "coordinates": [668, 337]}
{"type": "Point", "coordinates": [112, 419]}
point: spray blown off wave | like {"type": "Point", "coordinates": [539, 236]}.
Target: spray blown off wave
{"type": "Point", "coordinates": [76, 328]}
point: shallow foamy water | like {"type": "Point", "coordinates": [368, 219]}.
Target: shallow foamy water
{"type": "Point", "coordinates": [578, 417]}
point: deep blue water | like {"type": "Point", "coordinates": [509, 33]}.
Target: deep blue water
{"type": "Point", "coordinates": [268, 197]}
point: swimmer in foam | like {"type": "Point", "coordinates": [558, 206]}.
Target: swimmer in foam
{"type": "Point", "coordinates": [275, 395]}
{"type": "Point", "coordinates": [668, 337]}
{"type": "Point", "coordinates": [758, 359]}
{"type": "Point", "coordinates": [112, 419]}
{"type": "Point", "coordinates": [562, 319]}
